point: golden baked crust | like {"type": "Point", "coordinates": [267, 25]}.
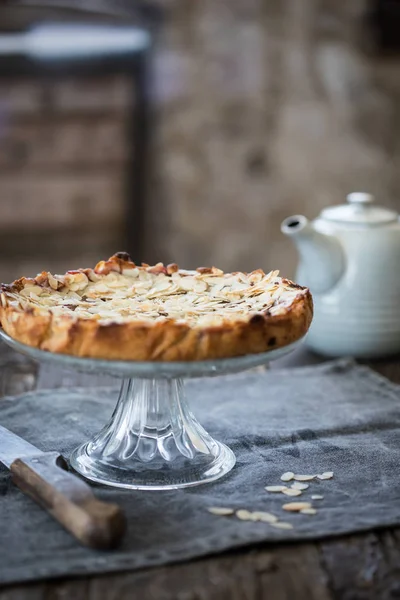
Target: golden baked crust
{"type": "Point", "coordinates": [121, 311]}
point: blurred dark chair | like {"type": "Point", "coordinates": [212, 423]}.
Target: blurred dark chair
{"type": "Point", "coordinates": [383, 21]}
{"type": "Point", "coordinates": [88, 42]}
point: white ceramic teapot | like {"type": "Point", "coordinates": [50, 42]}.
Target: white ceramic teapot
{"type": "Point", "coordinates": [350, 260]}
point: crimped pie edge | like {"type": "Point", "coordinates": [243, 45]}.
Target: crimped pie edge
{"type": "Point", "coordinates": [144, 340]}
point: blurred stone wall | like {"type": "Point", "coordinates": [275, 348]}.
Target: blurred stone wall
{"type": "Point", "coordinates": [64, 147]}
{"type": "Point", "coordinates": [261, 109]}
{"type": "Point", "coordinates": [265, 109]}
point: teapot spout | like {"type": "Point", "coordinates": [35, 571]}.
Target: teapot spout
{"type": "Point", "coordinates": [321, 255]}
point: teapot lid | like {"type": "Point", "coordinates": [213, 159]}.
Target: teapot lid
{"type": "Point", "coordinates": [360, 210]}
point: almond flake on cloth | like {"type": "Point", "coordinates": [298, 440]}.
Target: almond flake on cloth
{"type": "Point", "coordinates": [288, 476]}
{"type": "Point", "coordinates": [296, 506]}
{"type": "Point", "coordinates": [216, 510]}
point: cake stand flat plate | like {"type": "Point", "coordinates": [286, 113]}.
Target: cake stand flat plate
{"type": "Point", "coordinates": [151, 370]}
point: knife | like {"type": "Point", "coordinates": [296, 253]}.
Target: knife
{"type": "Point", "coordinates": [43, 477]}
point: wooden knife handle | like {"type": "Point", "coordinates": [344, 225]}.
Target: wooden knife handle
{"type": "Point", "coordinates": [69, 500]}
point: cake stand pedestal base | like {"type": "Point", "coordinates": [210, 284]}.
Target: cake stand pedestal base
{"type": "Point", "coordinates": [152, 442]}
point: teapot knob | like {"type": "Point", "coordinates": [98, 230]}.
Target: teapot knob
{"type": "Point", "coordinates": [360, 198]}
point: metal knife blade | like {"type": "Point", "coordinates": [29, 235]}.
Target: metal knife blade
{"type": "Point", "coordinates": [12, 447]}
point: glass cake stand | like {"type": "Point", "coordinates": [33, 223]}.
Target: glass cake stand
{"type": "Point", "coordinates": [152, 441]}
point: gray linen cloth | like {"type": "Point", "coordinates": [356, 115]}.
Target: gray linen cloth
{"type": "Point", "coordinates": [336, 417]}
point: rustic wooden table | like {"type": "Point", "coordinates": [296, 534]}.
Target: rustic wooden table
{"type": "Point", "coordinates": [355, 567]}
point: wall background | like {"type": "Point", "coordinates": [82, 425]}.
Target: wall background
{"type": "Point", "coordinates": [63, 154]}
{"type": "Point", "coordinates": [262, 109]}
{"type": "Point", "coordinates": [266, 109]}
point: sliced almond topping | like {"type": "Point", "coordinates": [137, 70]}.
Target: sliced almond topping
{"type": "Point", "coordinates": [93, 276]}
{"type": "Point", "coordinates": [187, 283]}
{"type": "Point", "coordinates": [31, 289]}
{"type": "Point", "coordinates": [219, 510]}
{"type": "Point", "coordinates": [200, 286]}
{"type": "Point", "coordinates": [172, 268]}
{"type": "Point", "coordinates": [119, 291]}
{"type": "Point", "coordinates": [296, 506]}
{"type": "Point", "coordinates": [275, 488]}
{"type": "Point", "coordinates": [308, 511]}
{"type": "Point", "coordinates": [282, 525]}
{"type": "Point", "coordinates": [53, 283]}
{"type": "Point", "coordinates": [288, 476]}
{"type": "Point", "coordinates": [128, 272]}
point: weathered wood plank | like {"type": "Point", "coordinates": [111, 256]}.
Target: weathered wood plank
{"type": "Point", "coordinates": [277, 574]}
{"type": "Point", "coordinates": [31, 592]}
{"type": "Point", "coordinates": [365, 567]}
{"type": "Point", "coordinates": [389, 368]}
{"type": "Point", "coordinates": [362, 567]}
